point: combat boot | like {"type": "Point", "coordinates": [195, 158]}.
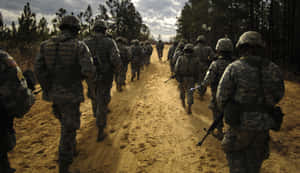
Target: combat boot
{"type": "Point", "coordinates": [190, 109]}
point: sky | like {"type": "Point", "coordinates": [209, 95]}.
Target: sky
{"type": "Point", "coordinates": [159, 15]}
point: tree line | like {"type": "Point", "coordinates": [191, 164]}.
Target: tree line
{"type": "Point", "coordinates": [121, 16]}
{"type": "Point", "coordinates": [276, 20]}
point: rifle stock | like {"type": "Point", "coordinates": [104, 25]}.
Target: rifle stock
{"type": "Point", "coordinates": [211, 128]}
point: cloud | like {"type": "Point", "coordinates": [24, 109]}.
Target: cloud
{"type": "Point", "coordinates": [159, 15]}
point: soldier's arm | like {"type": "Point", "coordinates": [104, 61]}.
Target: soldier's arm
{"type": "Point", "coordinates": [226, 88]}
{"type": "Point", "coordinates": [88, 69]}
{"type": "Point", "coordinates": [40, 68]}
{"type": "Point", "coordinates": [115, 57]}
{"type": "Point", "coordinates": [210, 74]}
{"type": "Point", "coordinates": [276, 84]}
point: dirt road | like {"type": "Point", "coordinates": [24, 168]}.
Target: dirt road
{"type": "Point", "coordinates": [149, 131]}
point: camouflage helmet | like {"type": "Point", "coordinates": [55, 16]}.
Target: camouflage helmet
{"type": "Point", "coordinates": [188, 48]}
{"type": "Point", "coordinates": [250, 38]}
{"type": "Point", "coordinates": [201, 38]}
{"type": "Point", "coordinates": [100, 24]}
{"type": "Point", "coordinates": [70, 21]}
{"type": "Point", "coordinates": [224, 45]}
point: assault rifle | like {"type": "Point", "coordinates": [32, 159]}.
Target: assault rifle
{"type": "Point", "coordinates": [211, 128]}
{"type": "Point", "coordinates": [172, 77]}
{"type": "Point", "coordinates": [200, 88]}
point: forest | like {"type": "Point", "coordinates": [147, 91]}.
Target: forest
{"type": "Point", "coordinates": [277, 20]}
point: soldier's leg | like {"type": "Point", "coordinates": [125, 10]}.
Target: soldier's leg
{"type": "Point", "coordinates": [4, 163]}
{"type": "Point", "coordinates": [190, 96]}
{"type": "Point", "coordinates": [138, 72]}
{"type": "Point", "coordinates": [257, 153]}
{"type": "Point", "coordinates": [125, 74]}
{"type": "Point", "coordinates": [182, 94]}
{"type": "Point", "coordinates": [101, 119]}
{"type": "Point", "coordinates": [236, 162]}
{"type": "Point", "coordinates": [70, 122]}
{"type": "Point", "coordinates": [133, 71]}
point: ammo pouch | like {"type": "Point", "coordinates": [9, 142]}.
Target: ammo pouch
{"type": "Point", "coordinates": [277, 116]}
{"type": "Point", "coordinates": [232, 114]}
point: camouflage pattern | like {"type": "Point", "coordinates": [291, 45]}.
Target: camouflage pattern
{"type": "Point", "coordinates": [250, 38]}
{"type": "Point", "coordinates": [178, 52]}
{"type": "Point", "coordinates": [99, 25]}
{"type": "Point", "coordinates": [62, 64]}
{"type": "Point", "coordinates": [120, 77]}
{"type": "Point", "coordinates": [13, 85]}
{"type": "Point", "coordinates": [185, 71]}
{"type": "Point", "coordinates": [171, 53]}
{"type": "Point", "coordinates": [204, 56]}
{"type": "Point", "coordinates": [160, 48]}
{"type": "Point", "coordinates": [224, 45]}
{"type": "Point", "coordinates": [108, 61]}
{"type": "Point", "coordinates": [149, 50]}
{"type": "Point", "coordinates": [136, 59]}
{"type": "Point", "coordinates": [246, 143]}
{"type": "Point", "coordinates": [201, 38]}
{"type": "Point", "coordinates": [71, 22]}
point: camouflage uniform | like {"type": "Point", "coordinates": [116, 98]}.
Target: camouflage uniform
{"type": "Point", "coordinates": [248, 91]}
{"type": "Point", "coordinates": [136, 59]}
{"type": "Point", "coordinates": [214, 73]}
{"type": "Point", "coordinates": [171, 53]}
{"type": "Point", "coordinates": [149, 50]}
{"type": "Point", "coordinates": [160, 48]}
{"type": "Point", "coordinates": [107, 60]}
{"type": "Point", "coordinates": [62, 64]}
{"type": "Point", "coordinates": [120, 77]}
{"type": "Point", "coordinates": [185, 71]}
{"type": "Point", "coordinates": [178, 52]}
{"type": "Point", "coordinates": [204, 55]}
{"type": "Point", "coordinates": [13, 85]}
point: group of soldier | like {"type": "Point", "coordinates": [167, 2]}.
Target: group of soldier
{"type": "Point", "coordinates": [60, 67]}
{"type": "Point", "coordinates": [244, 91]}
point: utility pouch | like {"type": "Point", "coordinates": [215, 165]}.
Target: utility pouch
{"type": "Point", "coordinates": [232, 114]}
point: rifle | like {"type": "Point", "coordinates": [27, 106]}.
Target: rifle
{"type": "Point", "coordinates": [201, 89]}
{"type": "Point", "coordinates": [172, 77]}
{"type": "Point", "coordinates": [211, 128]}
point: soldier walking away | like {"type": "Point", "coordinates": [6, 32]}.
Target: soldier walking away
{"type": "Point", "coordinates": [171, 53]}
{"type": "Point", "coordinates": [205, 55]}
{"type": "Point", "coordinates": [178, 52]}
{"type": "Point", "coordinates": [120, 77]}
{"type": "Point", "coordinates": [160, 48]}
{"type": "Point", "coordinates": [149, 51]}
{"type": "Point", "coordinates": [62, 64]}
{"type": "Point", "coordinates": [213, 75]}
{"type": "Point", "coordinates": [136, 59]}
{"type": "Point", "coordinates": [107, 60]}
{"type": "Point", "coordinates": [247, 93]}
{"type": "Point", "coordinates": [13, 85]}
{"type": "Point", "coordinates": [185, 72]}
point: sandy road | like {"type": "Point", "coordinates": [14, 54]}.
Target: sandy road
{"type": "Point", "coordinates": [148, 131]}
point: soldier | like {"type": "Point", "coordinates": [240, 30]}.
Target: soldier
{"type": "Point", "coordinates": [136, 59]}
{"type": "Point", "coordinates": [171, 53]}
{"type": "Point", "coordinates": [62, 64]}
{"type": "Point", "coordinates": [120, 77]}
{"type": "Point", "coordinates": [107, 60]}
{"type": "Point", "coordinates": [149, 51]}
{"type": "Point", "coordinates": [204, 54]}
{"type": "Point", "coordinates": [178, 52]}
{"type": "Point", "coordinates": [144, 56]}
{"type": "Point", "coordinates": [224, 50]}
{"type": "Point", "coordinates": [185, 72]}
{"type": "Point", "coordinates": [247, 93]}
{"type": "Point", "coordinates": [13, 85]}
{"type": "Point", "coordinates": [160, 48]}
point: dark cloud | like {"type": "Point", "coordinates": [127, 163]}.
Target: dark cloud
{"type": "Point", "coordinates": [159, 15]}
